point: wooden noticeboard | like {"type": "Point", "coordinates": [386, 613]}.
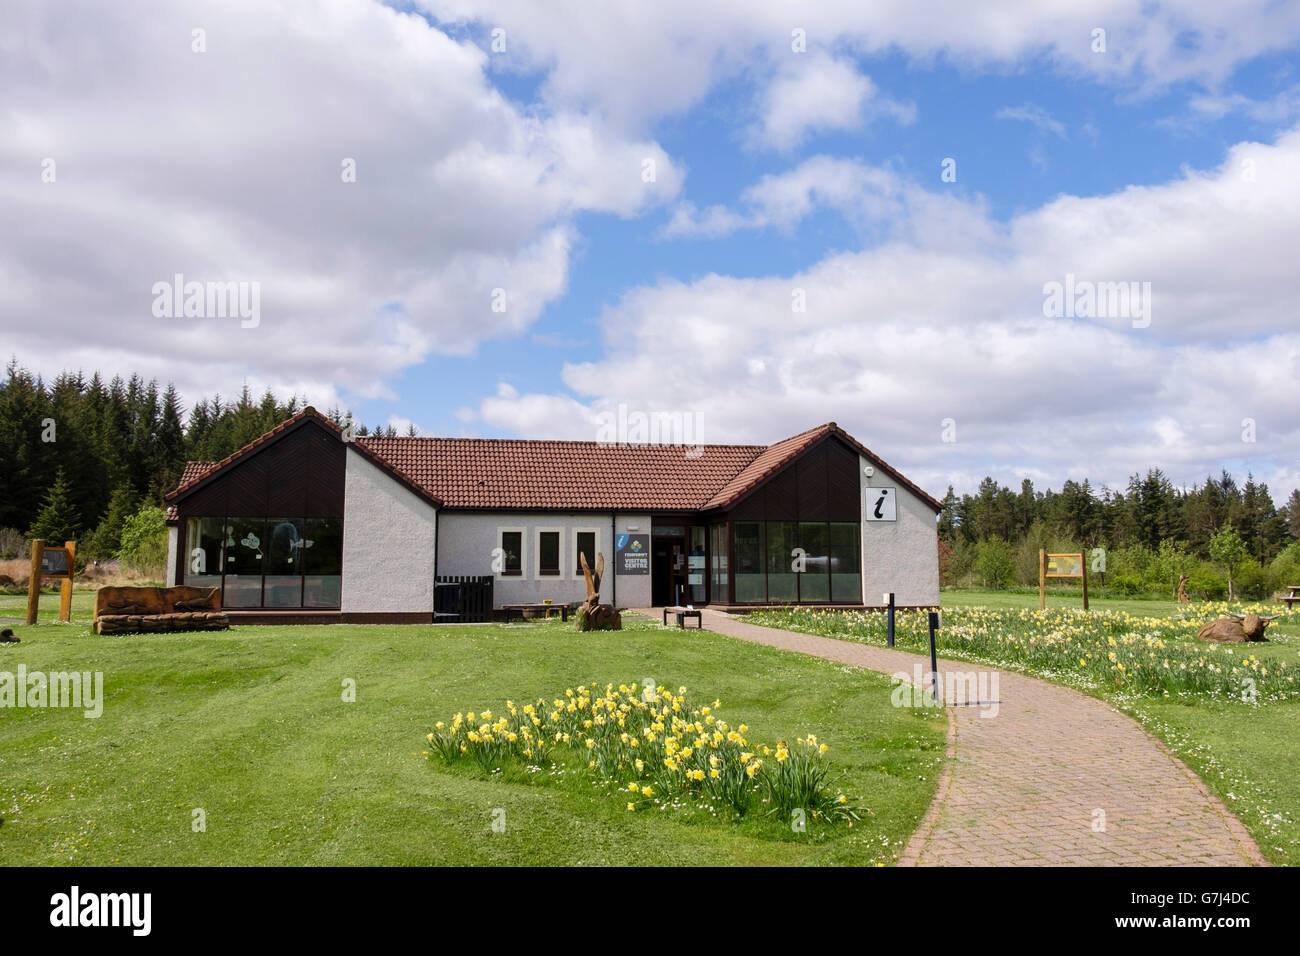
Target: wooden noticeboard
{"type": "Point", "coordinates": [52, 563]}
{"type": "Point", "coordinates": [1061, 566]}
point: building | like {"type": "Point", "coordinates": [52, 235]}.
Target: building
{"type": "Point", "coordinates": [309, 524]}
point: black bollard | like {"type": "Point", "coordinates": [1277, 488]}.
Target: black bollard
{"type": "Point", "coordinates": [889, 599]}
{"type": "Point", "coordinates": [934, 658]}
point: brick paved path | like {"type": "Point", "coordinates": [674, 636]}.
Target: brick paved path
{"type": "Point", "coordinates": [1024, 787]}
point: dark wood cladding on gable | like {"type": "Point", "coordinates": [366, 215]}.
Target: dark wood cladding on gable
{"type": "Point", "coordinates": [300, 475]}
{"type": "Point", "coordinates": [821, 484]}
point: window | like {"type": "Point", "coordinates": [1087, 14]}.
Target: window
{"type": "Point", "coordinates": [283, 582]}
{"type": "Point", "coordinates": [203, 561]}
{"type": "Point", "coordinates": [244, 556]}
{"type": "Point", "coordinates": [846, 582]}
{"type": "Point", "coordinates": [719, 594]}
{"type": "Point", "coordinates": [585, 545]}
{"type": "Point", "coordinates": [815, 582]}
{"type": "Point", "coordinates": [751, 585]}
{"type": "Point", "coordinates": [782, 578]}
{"type": "Point", "coordinates": [322, 560]}
{"type": "Point", "coordinates": [548, 552]}
{"type": "Point", "coordinates": [512, 543]}
{"type": "Point", "coordinates": [271, 563]}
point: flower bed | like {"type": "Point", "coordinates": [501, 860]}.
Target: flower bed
{"type": "Point", "coordinates": [1137, 656]}
{"type": "Point", "coordinates": [657, 748]}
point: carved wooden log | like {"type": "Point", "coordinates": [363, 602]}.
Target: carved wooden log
{"type": "Point", "coordinates": [1235, 630]}
{"type": "Point", "coordinates": [591, 614]}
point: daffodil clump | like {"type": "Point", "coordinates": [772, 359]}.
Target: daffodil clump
{"type": "Point", "coordinates": [655, 748]}
{"type": "Point", "coordinates": [1137, 656]}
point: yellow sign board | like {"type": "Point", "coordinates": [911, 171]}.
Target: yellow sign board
{"type": "Point", "coordinates": [1065, 565]}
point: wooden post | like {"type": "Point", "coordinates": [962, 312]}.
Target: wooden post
{"type": "Point", "coordinates": [34, 582]}
{"type": "Point", "coordinates": [65, 590]}
{"type": "Point", "coordinates": [1083, 571]}
{"type": "Point", "coordinates": [1042, 579]}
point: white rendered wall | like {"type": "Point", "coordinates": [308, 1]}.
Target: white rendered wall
{"type": "Point", "coordinates": [900, 556]}
{"type": "Point", "coordinates": [173, 533]}
{"type": "Point", "coordinates": [466, 541]}
{"type": "Point", "coordinates": [389, 543]}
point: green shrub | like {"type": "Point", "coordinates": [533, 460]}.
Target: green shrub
{"type": "Point", "coordinates": [144, 541]}
{"type": "Point", "coordinates": [1251, 580]}
{"type": "Point", "coordinates": [995, 564]}
{"type": "Point", "coordinates": [1285, 569]}
{"type": "Point", "coordinates": [1205, 581]}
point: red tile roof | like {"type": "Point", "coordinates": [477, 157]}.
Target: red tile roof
{"type": "Point", "coordinates": [496, 474]}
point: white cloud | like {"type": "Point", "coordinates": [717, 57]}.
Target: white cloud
{"type": "Point", "coordinates": [229, 165]}
{"type": "Point", "coordinates": [871, 197]}
{"type": "Point", "coordinates": [637, 62]}
{"type": "Point", "coordinates": [814, 92]}
{"type": "Point", "coordinates": [1036, 116]}
{"type": "Point", "coordinates": [1278, 110]}
{"type": "Point", "coordinates": [927, 326]}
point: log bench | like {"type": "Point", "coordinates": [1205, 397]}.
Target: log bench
{"type": "Point", "coordinates": [521, 608]}
{"type": "Point", "coordinates": [158, 610]}
{"type": "Point", "coordinates": [682, 613]}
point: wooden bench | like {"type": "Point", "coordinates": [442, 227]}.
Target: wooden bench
{"type": "Point", "coordinates": [682, 613]}
{"type": "Point", "coordinates": [521, 608]}
{"type": "Point", "coordinates": [155, 610]}
{"type": "Point", "coordinates": [1292, 597]}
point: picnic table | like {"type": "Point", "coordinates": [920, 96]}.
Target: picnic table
{"type": "Point", "coordinates": [540, 606]}
{"type": "Point", "coordinates": [1292, 596]}
{"type": "Point", "coordinates": [682, 613]}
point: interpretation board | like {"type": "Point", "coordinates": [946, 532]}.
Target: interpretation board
{"type": "Point", "coordinates": [57, 563]}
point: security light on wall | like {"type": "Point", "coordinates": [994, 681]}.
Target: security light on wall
{"type": "Point", "coordinates": [868, 471]}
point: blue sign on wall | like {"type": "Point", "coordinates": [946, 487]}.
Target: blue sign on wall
{"type": "Point", "coordinates": [632, 554]}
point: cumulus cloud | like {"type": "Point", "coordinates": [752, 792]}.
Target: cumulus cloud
{"type": "Point", "coordinates": [637, 62]}
{"type": "Point", "coordinates": [865, 195]}
{"type": "Point", "coordinates": [353, 162]}
{"type": "Point", "coordinates": [928, 326]}
{"type": "Point", "coordinates": [815, 92]}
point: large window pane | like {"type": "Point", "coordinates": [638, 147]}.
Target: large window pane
{"type": "Point", "coordinates": [720, 594]}
{"type": "Point", "coordinates": [548, 552]}
{"type": "Point", "coordinates": [751, 585]}
{"type": "Point", "coordinates": [586, 546]}
{"type": "Point", "coordinates": [512, 543]}
{"type": "Point", "coordinates": [782, 580]}
{"type": "Point", "coordinates": [284, 563]}
{"type": "Point", "coordinates": [243, 557]}
{"type": "Point", "coordinates": [814, 583]}
{"type": "Point", "coordinates": [284, 546]}
{"type": "Point", "coordinates": [696, 562]}
{"type": "Point", "coordinates": [322, 560]}
{"type": "Point", "coordinates": [203, 552]}
{"type": "Point", "coordinates": [280, 590]}
{"type": "Point", "coordinates": [846, 581]}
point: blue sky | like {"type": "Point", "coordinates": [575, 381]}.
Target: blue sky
{"type": "Point", "coordinates": [1167, 158]}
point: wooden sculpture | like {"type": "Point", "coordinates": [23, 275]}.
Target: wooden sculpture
{"type": "Point", "coordinates": [592, 615]}
{"type": "Point", "coordinates": [1236, 628]}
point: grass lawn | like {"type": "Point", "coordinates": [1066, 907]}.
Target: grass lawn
{"type": "Point", "coordinates": [1247, 752]}
{"type": "Point", "coordinates": [250, 726]}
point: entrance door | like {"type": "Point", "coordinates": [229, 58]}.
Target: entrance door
{"type": "Point", "coordinates": [668, 571]}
